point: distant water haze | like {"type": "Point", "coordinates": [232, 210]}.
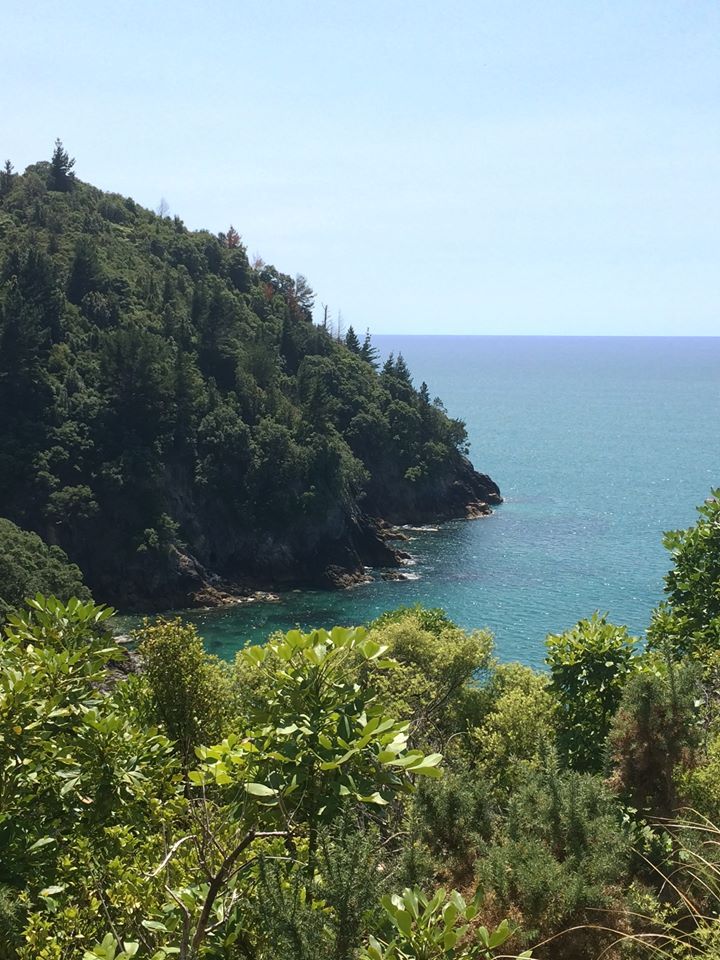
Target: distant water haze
{"type": "Point", "coordinates": [598, 445]}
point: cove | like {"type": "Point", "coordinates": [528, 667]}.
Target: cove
{"type": "Point", "coordinates": [598, 445]}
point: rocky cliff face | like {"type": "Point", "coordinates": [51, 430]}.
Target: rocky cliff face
{"type": "Point", "coordinates": [227, 564]}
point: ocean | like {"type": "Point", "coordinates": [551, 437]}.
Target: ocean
{"type": "Point", "coordinates": [598, 444]}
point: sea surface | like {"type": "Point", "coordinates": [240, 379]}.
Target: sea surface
{"type": "Point", "coordinates": [598, 445]}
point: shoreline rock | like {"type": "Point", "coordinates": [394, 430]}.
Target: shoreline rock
{"type": "Point", "coordinates": [336, 558]}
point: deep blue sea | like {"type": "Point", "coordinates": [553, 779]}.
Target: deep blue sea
{"type": "Point", "coordinates": [598, 445]}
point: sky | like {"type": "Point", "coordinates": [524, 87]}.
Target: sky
{"type": "Point", "coordinates": [431, 166]}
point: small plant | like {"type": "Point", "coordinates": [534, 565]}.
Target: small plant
{"type": "Point", "coordinates": [435, 929]}
{"type": "Point", "coordinates": [110, 949]}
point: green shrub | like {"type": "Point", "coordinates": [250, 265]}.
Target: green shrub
{"type": "Point", "coordinates": [438, 679]}
{"type": "Point", "coordinates": [329, 917]}
{"type": "Point", "coordinates": [191, 690]}
{"type": "Point", "coordinates": [452, 815]}
{"type": "Point", "coordinates": [589, 666]}
{"type": "Point", "coordinates": [519, 724]}
{"type": "Point", "coordinates": [655, 731]}
{"type": "Point", "coordinates": [558, 855]}
{"type": "Point", "coordinates": [688, 624]}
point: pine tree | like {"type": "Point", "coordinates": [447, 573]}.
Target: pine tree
{"type": "Point", "coordinates": [6, 178]}
{"type": "Point", "coordinates": [402, 371]}
{"type": "Point", "coordinates": [351, 341]}
{"type": "Point", "coordinates": [368, 351]}
{"type": "Point", "coordinates": [85, 272]}
{"type": "Point", "coordinates": [232, 238]}
{"type": "Point", "coordinates": [61, 177]}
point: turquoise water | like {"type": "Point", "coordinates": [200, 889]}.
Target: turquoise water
{"type": "Point", "coordinates": [598, 445]}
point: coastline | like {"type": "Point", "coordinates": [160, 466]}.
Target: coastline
{"type": "Point", "coordinates": [213, 592]}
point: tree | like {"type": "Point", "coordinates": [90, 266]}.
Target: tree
{"type": "Point", "coordinates": [352, 342]}
{"type": "Point", "coordinates": [388, 369]}
{"type": "Point", "coordinates": [402, 371]}
{"type": "Point", "coordinates": [439, 669]}
{"type": "Point", "coordinates": [368, 352]}
{"type": "Point", "coordinates": [304, 294]}
{"type": "Point", "coordinates": [84, 783]}
{"type": "Point", "coordinates": [232, 238]}
{"type": "Point", "coordinates": [6, 179]}
{"type": "Point", "coordinates": [187, 686]}
{"type": "Point", "coordinates": [61, 178]}
{"type": "Point", "coordinates": [689, 623]}
{"type": "Point", "coordinates": [85, 273]}
{"type": "Point", "coordinates": [331, 740]}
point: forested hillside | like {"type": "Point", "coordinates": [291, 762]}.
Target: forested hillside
{"type": "Point", "coordinates": [171, 415]}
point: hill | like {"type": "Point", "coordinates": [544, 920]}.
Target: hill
{"type": "Point", "coordinates": [173, 419]}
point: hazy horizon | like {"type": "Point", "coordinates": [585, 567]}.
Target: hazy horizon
{"type": "Point", "coordinates": [458, 167]}
{"type": "Point", "coordinates": [559, 336]}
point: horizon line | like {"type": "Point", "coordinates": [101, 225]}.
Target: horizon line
{"type": "Point", "coordinates": [578, 336]}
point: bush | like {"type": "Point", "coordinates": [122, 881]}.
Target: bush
{"type": "Point", "coordinates": [655, 730]}
{"type": "Point", "coordinates": [559, 854]}
{"type": "Point", "coordinates": [440, 667]}
{"type": "Point", "coordinates": [328, 918]}
{"type": "Point", "coordinates": [191, 690]}
{"type": "Point", "coordinates": [688, 624]}
{"type": "Point", "coordinates": [589, 666]}
{"type": "Point", "coordinates": [519, 724]}
{"type": "Point", "coordinates": [452, 816]}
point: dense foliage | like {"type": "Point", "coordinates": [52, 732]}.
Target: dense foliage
{"type": "Point", "coordinates": [157, 385]}
{"type": "Point", "coordinates": [29, 566]}
{"type": "Point", "coordinates": [387, 792]}
{"type": "Point", "coordinates": [380, 793]}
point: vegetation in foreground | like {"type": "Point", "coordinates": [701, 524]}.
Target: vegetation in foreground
{"type": "Point", "coordinates": [380, 793]}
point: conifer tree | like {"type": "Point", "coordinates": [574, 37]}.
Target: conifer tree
{"type": "Point", "coordinates": [368, 351]}
{"type": "Point", "coordinates": [402, 371]}
{"type": "Point", "coordinates": [351, 341]}
{"type": "Point", "coordinates": [6, 179]}
{"type": "Point", "coordinates": [232, 238]}
{"type": "Point", "coordinates": [61, 177]}
{"type": "Point", "coordinates": [85, 272]}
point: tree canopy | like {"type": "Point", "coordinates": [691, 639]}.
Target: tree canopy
{"type": "Point", "coordinates": [157, 385]}
{"type": "Point", "coordinates": [29, 566]}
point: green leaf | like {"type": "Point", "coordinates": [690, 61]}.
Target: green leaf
{"type": "Point", "coordinates": [260, 790]}
{"type": "Point", "coordinates": [403, 921]}
{"type": "Point", "coordinates": [42, 842]}
{"type": "Point", "coordinates": [500, 935]}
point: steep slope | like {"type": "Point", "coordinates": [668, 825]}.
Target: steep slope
{"type": "Point", "coordinates": [171, 416]}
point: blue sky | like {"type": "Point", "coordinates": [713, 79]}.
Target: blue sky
{"type": "Point", "coordinates": [456, 166]}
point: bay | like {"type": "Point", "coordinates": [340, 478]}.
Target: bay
{"type": "Point", "coordinates": [599, 444]}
